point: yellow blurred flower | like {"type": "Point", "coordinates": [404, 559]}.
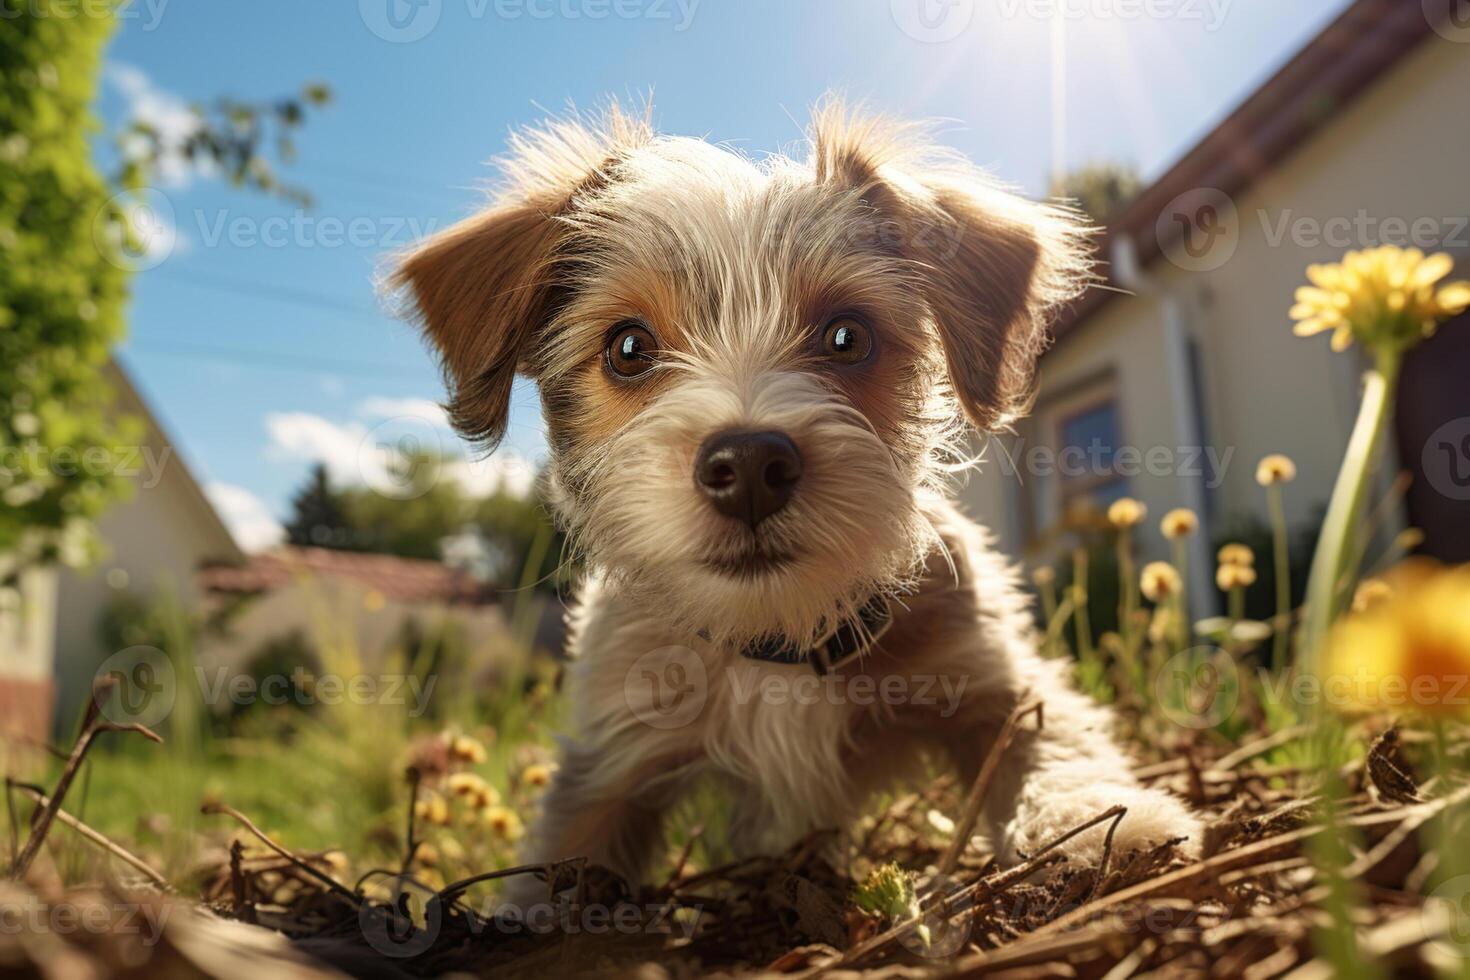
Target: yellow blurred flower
{"type": "Point", "coordinates": [1381, 296]}
{"type": "Point", "coordinates": [536, 776]}
{"type": "Point", "coordinates": [464, 749]}
{"type": "Point", "coordinates": [1275, 468]}
{"type": "Point", "coordinates": [1179, 523]}
{"type": "Point", "coordinates": [473, 790]}
{"type": "Point", "coordinates": [1044, 575]}
{"type": "Point", "coordinates": [1410, 648]}
{"type": "Point", "coordinates": [1236, 554]}
{"type": "Point", "coordinates": [1126, 512]}
{"type": "Point", "coordinates": [1165, 623]}
{"type": "Point", "coordinates": [1232, 576]}
{"type": "Point", "coordinates": [1159, 581]}
{"type": "Point", "coordinates": [433, 810]}
{"type": "Point", "coordinates": [504, 823]}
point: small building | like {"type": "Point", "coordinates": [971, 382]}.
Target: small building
{"type": "Point", "coordinates": [1172, 382]}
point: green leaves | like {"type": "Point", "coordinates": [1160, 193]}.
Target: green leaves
{"type": "Point", "coordinates": [62, 290]}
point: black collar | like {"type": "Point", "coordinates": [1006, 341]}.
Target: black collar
{"type": "Point", "coordinates": [851, 638]}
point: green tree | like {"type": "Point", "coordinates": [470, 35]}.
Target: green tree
{"type": "Point", "coordinates": [67, 242]}
{"type": "Point", "coordinates": [63, 286]}
{"type": "Point", "coordinates": [319, 513]}
{"type": "Point", "coordinates": [1100, 190]}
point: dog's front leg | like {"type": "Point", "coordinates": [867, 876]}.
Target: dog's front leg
{"type": "Point", "coordinates": [606, 804]}
{"type": "Point", "coordinates": [1057, 777]}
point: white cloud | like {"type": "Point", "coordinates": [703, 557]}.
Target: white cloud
{"type": "Point", "coordinates": [302, 435]}
{"type": "Point", "coordinates": [247, 517]}
{"type": "Point", "coordinates": [404, 408]}
{"type": "Point", "coordinates": [170, 118]}
{"type": "Point", "coordinates": [482, 477]}
{"type": "Point", "coordinates": [353, 453]}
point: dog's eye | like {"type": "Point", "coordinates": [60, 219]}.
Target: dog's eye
{"type": "Point", "coordinates": [630, 350]}
{"type": "Point", "coordinates": [847, 340]}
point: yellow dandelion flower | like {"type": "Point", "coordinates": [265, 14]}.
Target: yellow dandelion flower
{"type": "Point", "coordinates": [504, 823]}
{"type": "Point", "coordinates": [1385, 296]}
{"type": "Point", "coordinates": [1126, 512]}
{"type": "Point", "coordinates": [536, 776]}
{"type": "Point", "coordinates": [1231, 576]}
{"type": "Point", "coordinates": [1159, 581]}
{"type": "Point", "coordinates": [1408, 651]}
{"type": "Point", "coordinates": [1236, 554]}
{"type": "Point", "coordinates": [1275, 469]}
{"type": "Point", "coordinates": [1179, 523]}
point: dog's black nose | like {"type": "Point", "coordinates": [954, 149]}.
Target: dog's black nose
{"type": "Point", "coordinates": [748, 475]}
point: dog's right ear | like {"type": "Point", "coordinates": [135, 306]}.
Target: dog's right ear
{"type": "Point", "coordinates": [483, 288]}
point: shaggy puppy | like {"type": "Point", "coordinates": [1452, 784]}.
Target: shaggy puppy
{"type": "Point", "coordinates": [753, 376]}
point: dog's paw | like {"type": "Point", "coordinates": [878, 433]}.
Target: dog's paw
{"type": "Point", "coordinates": [1059, 802]}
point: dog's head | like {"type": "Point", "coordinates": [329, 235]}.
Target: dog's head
{"type": "Point", "coordinates": [751, 374]}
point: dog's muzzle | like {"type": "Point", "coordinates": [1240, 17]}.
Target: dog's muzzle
{"type": "Point", "coordinates": [748, 475]}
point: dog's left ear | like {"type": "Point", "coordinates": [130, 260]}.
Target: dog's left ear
{"type": "Point", "coordinates": [994, 267]}
{"type": "Point", "coordinates": [483, 289]}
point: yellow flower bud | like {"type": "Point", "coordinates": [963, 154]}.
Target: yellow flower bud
{"type": "Point", "coordinates": [504, 823]}
{"type": "Point", "coordinates": [1179, 523]}
{"type": "Point", "coordinates": [1237, 554]}
{"type": "Point", "coordinates": [1275, 469]}
{"type": "Point", "coordinates": [1126, 512]}
{"type": "Point", "coordinates": [536, 776]}
{"type": "Point", "coordinates": [1159, 581]}
{"type": "Point", "coordinates": [1232, 576]}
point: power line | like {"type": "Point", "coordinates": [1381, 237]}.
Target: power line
{"type": "Point", "coordinates": [259, 290]}
{"type": "Point", "coordinates": [243, 357]}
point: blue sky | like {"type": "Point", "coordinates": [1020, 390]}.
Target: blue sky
{"type": "Point", "coordinates": [257, 337]}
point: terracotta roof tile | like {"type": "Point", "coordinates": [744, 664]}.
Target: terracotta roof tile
{"type": "Point", "coordinates": [403, 579]}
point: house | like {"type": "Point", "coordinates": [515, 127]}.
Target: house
{"type": "Point", "coordinates": [1173, 381]}
{"type": "Point", "coordinates": [368, 606]}
{"type": "Point", "coordinates": [166, 538]}
{"type": "Point", "coordinates": [156, 538]}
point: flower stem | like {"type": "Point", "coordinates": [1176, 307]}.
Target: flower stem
{"type": "Point", "coordinates": [1079, 601]}
{"type": "Point", "coordinates": [1283, 576]}
{"type": "Point", "coordinates": [1182, 628]}
{"type": "Point", "coordinates": [1334, 561]}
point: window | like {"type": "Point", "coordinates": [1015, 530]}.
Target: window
{"type": "Point", "coordinates": [1087, 442]}
{"type": "Point", "coordinates": [1067, 453]}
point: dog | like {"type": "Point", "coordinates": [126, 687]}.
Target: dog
{"type": "Point", "coordinates": [756, 380]}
